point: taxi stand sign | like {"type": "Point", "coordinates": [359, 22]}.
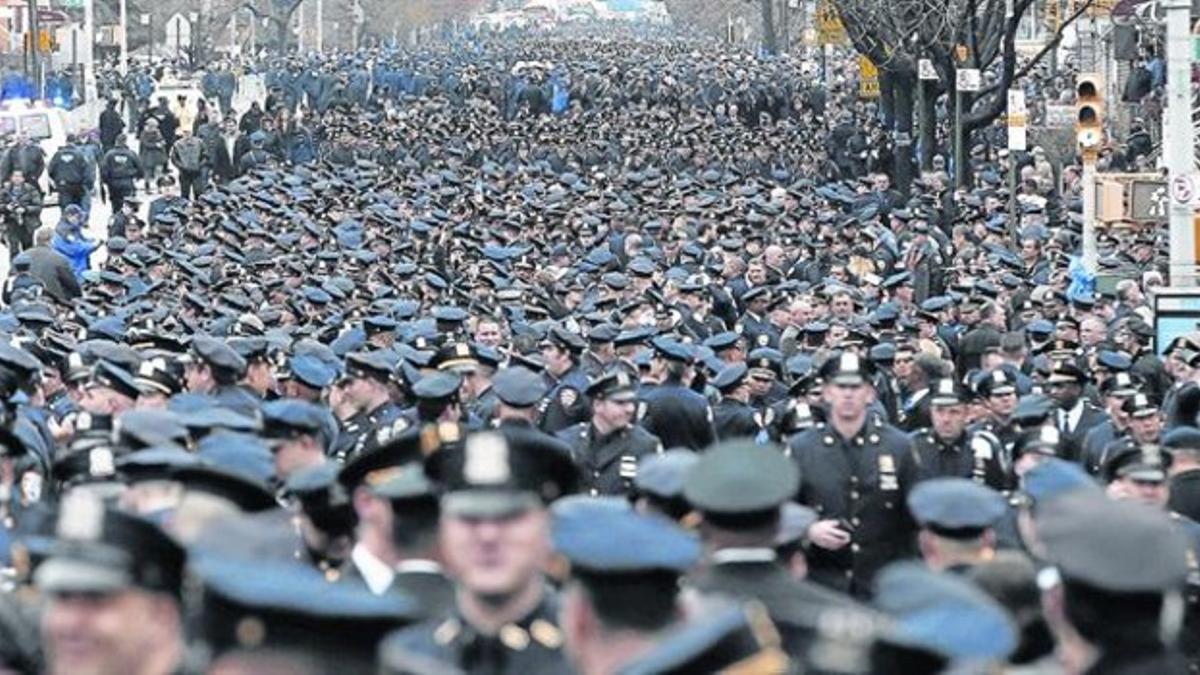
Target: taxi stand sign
{"type": "Point", "coordinates": [1016, 119]}
{"type": "Point", "coordinates": [868, 78]}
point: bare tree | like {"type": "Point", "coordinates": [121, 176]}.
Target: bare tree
{"type": "Point", "coordinates": [278, 14]}
{"type": "Point", "coordinates": [979, 34]}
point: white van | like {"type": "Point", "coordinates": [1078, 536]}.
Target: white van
{"type": "Point", "coordinates": [38, 121]}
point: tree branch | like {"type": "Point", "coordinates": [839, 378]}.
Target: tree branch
{"type": "Point", "coordinates": [1050, 45]}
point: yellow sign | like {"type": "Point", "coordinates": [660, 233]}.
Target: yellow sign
{"type": "Point", "coordinates": [868, 78]}
{"type": "Point", "coordinates": [830, 30]}
{"type": "Point", "coordinates": [45, 43]}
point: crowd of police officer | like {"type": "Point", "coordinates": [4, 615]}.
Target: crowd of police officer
{"type": "Point", "coordinates": [594, 354]}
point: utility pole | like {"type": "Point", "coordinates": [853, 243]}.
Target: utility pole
{"type": "Point", "coordinates": [35, 35]}
{"type": "Point", "coordinates": [1178, 137]}
{"type": "Point", "coordinates": [124, 19]}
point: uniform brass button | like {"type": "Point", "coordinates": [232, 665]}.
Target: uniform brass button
{"type": "Point", "coordinates": [853, 494]}
{"type": "Point", "coordinates": [595, 492]}
{"type": "Point", "coordinates": [854, 521]}
{"type": "Point", "coordinates": [854, 547]}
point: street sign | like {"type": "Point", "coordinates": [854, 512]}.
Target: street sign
{"type": "Point", "coordinates": [1016, 104]}
{"type": "Point", "coordinates": [968, 79]}
{"type": "Point", "coordinates": [52, 16]}
{"type": "Point", "coordinates": [1016, 119]}
{"type": "Point", "coordinates": [925, 70]}
{"type": "Point", "coordinates": [868, 78]}
{"type": "Point", "coordinates": [1060, 116]}
{"type": "Point", "coordinates": [1148, 200]}
{"type": "Point", "coordinates": [1183, 189]}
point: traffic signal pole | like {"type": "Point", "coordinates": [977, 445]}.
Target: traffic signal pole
{"type": "Point", "coordinates": [1178, 138]}
{"type": "Point", "coordinates": [1089, 134]}
{"type": "Point", "coordinates": [1090, 254]}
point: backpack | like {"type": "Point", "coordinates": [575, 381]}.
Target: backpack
{"type": "Point", "coordinates": [187, 154]}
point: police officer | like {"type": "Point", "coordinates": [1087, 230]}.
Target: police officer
{"type": "Point", "coordinates": [600, 353]}
{"type": "Point", "coordinates": [255, 616]}
{"type": "Point", "coordinates": [1115, 578]}
{"type": "Point", "coordinates": [678, 416]}
{"type": "Point", "coordinates": [956, 516]}
{"type": "Point", "coordinates": [565, 404]}
{"type": "Point", "coordinates": [364, 388]}
{"type": "Point", "coordinates": [856, 471]}
{"type": "Point", "coordinates": [71, 173]}
{"type": "Point", "coordinates": [739, 488]}
{"type": "Point", "coordinates": [114, 585]}
{"type": "Point", "coordinates": [214, 368]}
{"type": "Point", "coordinates": [437, 399]}
{"type": "Point", "coordinates": [625, 591]}
{"type": "Point", "coordinates": [325, 519]}
{"type": "Point", "coordinates": [998, 394]}
{"type": "Point", "coordinates": [294, 430]}
{"type": "Point", "coordinates": [733, 417]}
{"type": "Point", "coordinates": [608, 448]}
{"type": "Point", "coordinates": [495, 537]}
{"type": "Point", "coordinates": [258, 155]}
{"type": "Point", "coordinates": [755, 325]}
{"type": "Point", "coordinates": [1115, 390]}
{"type": "Point", "coordinates": [119, 169]}
{"type": "Point", "coordinates": [414, 520]}
{"type": "Point", "coordinates": [947, 448]}
{"type": "Point", "coordinates": [376, 553]}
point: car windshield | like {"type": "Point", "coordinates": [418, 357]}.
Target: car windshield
{"type": "Point", "coordinates": [36, 126]}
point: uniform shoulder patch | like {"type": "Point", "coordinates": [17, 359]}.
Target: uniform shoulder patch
{"type": "Point", "coordinates": [567, 397]}
{"type": "Point", "coordinates": [981, 447]}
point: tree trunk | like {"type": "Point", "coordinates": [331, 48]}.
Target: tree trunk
{"type": "Point", "coordinates": [768, 27]}
{"type": "Point", "coordinates": [928, 127]}
{"type": "Point", "coordinates": [903, 86]}
{"type": "Point", "coordinates": [887, 105]}
{"type": "Point", "coordinates": [963, 174]}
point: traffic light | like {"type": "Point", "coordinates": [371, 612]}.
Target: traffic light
{"type": "Point", "coordinates": [1089, 112]}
